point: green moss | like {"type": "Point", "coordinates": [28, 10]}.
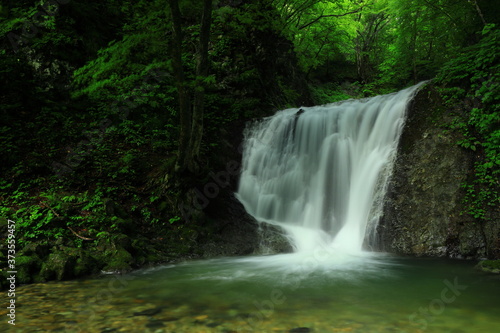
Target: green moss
{"type": "Point", "coordinates": [39, 249]}
{"type": "Point", "coordinates": [59, 266]}
{"type": "Point", "coordinates": [85, 265]}
{"type": "Point", "coordinates": [489, 266]}
{"type": "Point", "coordinates": [119, 260]}
{"type": "Point", "coordinates": [26, 267]}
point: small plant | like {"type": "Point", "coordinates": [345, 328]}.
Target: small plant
{"type": "Point", "coordinates": [474, 77]}
{"type": "Point", "coordinates": [174, 219]}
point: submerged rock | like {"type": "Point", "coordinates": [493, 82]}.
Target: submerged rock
{"type": "Point", "coordinates": [155, 324]}
{"type": "Point", "coordinates": [489, 266]}
{"type": "Point", "coordinates": [300, 330]}
{"type": "Point", "coordinates": [148, 312]}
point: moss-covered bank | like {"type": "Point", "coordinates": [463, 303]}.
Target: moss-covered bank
{"type": "Point", "coordinates": [231, 232]}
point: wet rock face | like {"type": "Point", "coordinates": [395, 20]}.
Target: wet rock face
{"type": "Point", "coordinates": [424, 201]}
{"type": "Point", "coordinates": [237, 233]}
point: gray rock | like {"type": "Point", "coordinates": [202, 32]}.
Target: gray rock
{"type": "Point", "coordinates": [422, 213]}
{"type": "Point", "coordinates": [235, 232]}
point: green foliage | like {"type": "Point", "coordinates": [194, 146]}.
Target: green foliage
{"type": "Point", "coordinates": [57, 212]}
{"type": "Point", "coordinates": [474, 77]}
{"type": "Point", "coordinates": [174, 219]}
{"type": "Point", "coordinates": [320, 30]}
{"type": "Point", "coordinates": [416, 45]}
{"type": "Point", "coordinates": [329, 93]}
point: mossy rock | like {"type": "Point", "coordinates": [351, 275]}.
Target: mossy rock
{"type": "Point", "coordinates": [489, 266]}
{"type": "Point", "coordinates": [109, 242]}
{"type": "Point", "coordinates": [58, 266]}
{"type": "Point", "coordinates": [124, 241]}
{"type": "Point", "coordinates": [4, 283]}
{"type": "Point", "coordinates": [273, 240]}
{"type": "Point", "coordinates": [123, 224]}
{"type": "Point", "coordinates": [85, 265]}
{"type": "Point", "coordinates": [40, 249]}
{"type": "Point", "coordinates": [3, 223]}
{"type": "Point", "coordinates": [112, 255]}
{"type": "Point", "coordinates": [119, 260]}
{"type": "Point", "coordinates": [114, 209]}
{"type": "Point", "coordinates": [27, 267]}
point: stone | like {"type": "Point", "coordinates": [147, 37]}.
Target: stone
{"type": "Point", "coordinates": [155, 324]}
{"type": "Point", "coordinates": [58, 266]}
{"type": "Point", "coordinates": [422, 211]}
{"type": "Point", "coordinates": [300, 330]}
{"type": "Point", "coordinates": [235, 232]}
{"type": "Point", "coordinates": [148, 312]}
{"type": "Point", "coordinates": [26, 267]}
{"type": "Point", "coordinates": [489, 266]}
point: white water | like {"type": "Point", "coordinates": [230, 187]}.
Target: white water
{"type": "Point", "coordinates": [321, 174]}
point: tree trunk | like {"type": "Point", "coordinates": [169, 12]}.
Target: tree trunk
{"type": "Point", "coordinates": [414, 47]}
{"type": "Point", "coordinates": [182, 90]}
{"type": "Point", "coordinates": [199, 94]}
{"type": "Point", "coordinates": [479, 12]}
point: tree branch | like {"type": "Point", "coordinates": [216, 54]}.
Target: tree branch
{"type": "Point", "coordinates": [479, 12]}
{"type": "Point", "coordinates": [331, 15]}
{"type": "Point", "coordinates": [77, 235]}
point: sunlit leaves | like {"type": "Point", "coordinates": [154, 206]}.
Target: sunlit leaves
{"type": "Point", "coordinates": [320, 30]}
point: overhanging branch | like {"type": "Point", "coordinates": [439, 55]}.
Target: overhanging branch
{"type": "Point", "coordinates": [331, 15]}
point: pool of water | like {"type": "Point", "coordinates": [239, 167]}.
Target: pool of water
{"type": "Point", "coordinates": [307, 292]}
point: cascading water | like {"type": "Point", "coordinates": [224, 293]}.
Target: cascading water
{"type": "Point", "coordinates": [321, 172]}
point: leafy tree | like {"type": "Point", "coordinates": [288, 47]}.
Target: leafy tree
{"type": "Point", "coordinates": [320, 30]}
{"type": "Point", "coordinates": [425, 35]}
{"type": "Point", "coordinates": [369, 43]}
{"type": "Point", "coordinates": [191, 121]}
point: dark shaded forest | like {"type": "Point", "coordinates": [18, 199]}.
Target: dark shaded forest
{"type": "Point", "coordinates": [117, 115]}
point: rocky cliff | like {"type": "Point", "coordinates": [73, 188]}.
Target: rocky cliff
{"type": "Point", "coordinates": [424, 204]}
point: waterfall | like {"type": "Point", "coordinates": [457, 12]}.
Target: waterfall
{"type": "Point", "coordinates": [321, 172]}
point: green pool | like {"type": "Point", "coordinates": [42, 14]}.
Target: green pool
{"type": "Point", "coordinates": [306, 292]}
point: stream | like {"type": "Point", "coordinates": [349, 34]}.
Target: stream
{"type": "Point", "coordinates": [318, 291]}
